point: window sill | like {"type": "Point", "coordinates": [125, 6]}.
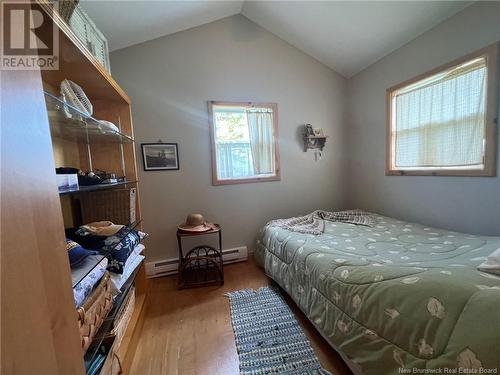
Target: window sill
{"type": "Point", "coordinates": [442, 172]}
{"type": "Point", "coordinates": [246, 180]}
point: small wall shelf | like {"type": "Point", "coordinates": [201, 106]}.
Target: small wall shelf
{"type": "Point", "coordinates": [314, 142]}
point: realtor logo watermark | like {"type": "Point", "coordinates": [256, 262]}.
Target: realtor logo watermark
{"type": "Point", "coordinates": [29, 38]}
{"type": "Point", "coordinates": [448, 370]}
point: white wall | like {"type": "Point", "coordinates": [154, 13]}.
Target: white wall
{"type": "Point", "coordinates": [470, 204]}
{"type": "Point", "coordinates": [170, 80]}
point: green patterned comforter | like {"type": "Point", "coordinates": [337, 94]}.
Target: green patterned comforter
{"type": "Point", "coordinates": [397, 295]}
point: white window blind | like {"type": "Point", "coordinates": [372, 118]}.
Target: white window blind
{"type": "Point", "coordinates": [439, 122]}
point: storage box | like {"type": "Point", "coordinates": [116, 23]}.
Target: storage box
{"type": "Point", "coordinates": [67, 182]}
{"type": "Point", "coordinates": [117, 206]}
{"type": "Point", "coordinates": [121, 321]}
{"type": "Point", "coordinates": [90, 35]}
{"type": "Point", "coordinates": [113, 363]}
{"type": "Point", "coordinates": [93, 311]}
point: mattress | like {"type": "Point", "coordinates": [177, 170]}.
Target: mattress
{"type": "Point", "coordinates": [396, 295]}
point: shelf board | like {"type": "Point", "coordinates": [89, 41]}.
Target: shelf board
{"type": "Point", "coordinates": [86, 268]}
{"type": "Point", "coordinates": [69, 123]}
{"type": "Point", "coordinates": [91, 188]}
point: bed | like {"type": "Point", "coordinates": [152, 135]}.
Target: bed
{"type": "Point", "coordinates": [393, 295]}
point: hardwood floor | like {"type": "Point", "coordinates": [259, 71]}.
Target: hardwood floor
{"type": "Point", "coordinates": [188, 332]}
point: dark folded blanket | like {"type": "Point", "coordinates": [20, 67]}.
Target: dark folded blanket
{"type": "Point", "coordinates": [314, 222]}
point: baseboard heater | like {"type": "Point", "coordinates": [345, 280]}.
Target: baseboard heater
{"type": "Point", "coordinates": [170, 266]}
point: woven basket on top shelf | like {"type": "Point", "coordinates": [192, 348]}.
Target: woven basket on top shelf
{"type": "Point", "coordinates": [90, 35]}
{"type": "Point", "coordinates": [94, 310]}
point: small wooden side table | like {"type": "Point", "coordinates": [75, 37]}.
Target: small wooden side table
{"type": "Point", "coordinates": [202, 265]}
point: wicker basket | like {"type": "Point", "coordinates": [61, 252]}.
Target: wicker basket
{"type": "Point", "coordinates": [113, 363]}
{"type": "Point", "coordinates": [121, 321]}
{"type": "Point", "coordinates": [66, 9]}
{"type": "Point", "coordinates": [117, 206]}
{"type": "Point", "coordinates": [89, 34]}
{"type": "Point", "coordinates": [94, 310]}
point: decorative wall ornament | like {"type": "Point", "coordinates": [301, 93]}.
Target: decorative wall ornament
{"type": "Point", "coordinates": [315, 139]}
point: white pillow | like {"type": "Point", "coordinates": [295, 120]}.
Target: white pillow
{"type": "Point", "coordinates": [492, 264]}
{"type": "Point", "coordinates": [117, 280]}
{"type": "Point", "coordinates": [131, 258]}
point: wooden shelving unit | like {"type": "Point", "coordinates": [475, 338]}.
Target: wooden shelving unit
{"type": "Point", "coordinates": [39, 134]}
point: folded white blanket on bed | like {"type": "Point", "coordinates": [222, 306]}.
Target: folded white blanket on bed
{"type": "Point", "coordinates": [314, 222]}
{"type": "Point", "coordinates": [492, 263]}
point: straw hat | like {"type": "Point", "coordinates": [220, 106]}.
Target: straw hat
{"type": "Point", "coordinates": [195, 223]}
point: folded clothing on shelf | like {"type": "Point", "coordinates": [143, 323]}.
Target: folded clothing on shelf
{"type": "Point", "coordinates": [117, 247]}
{"type": "Point", "coordinates": [135, 253]}
{"type": "Point", "coordinates": [118, 280]}
{"type": "Point", "coordinates": [119, 253]}
{"type": "Point", "coordinates": [86, 276]}
{"type": "Point", "coordinates": [99, 228]}
{"type": "Point", "coordinates": [89, 241]}
{"type": "Point", "coordinates": [77, 253]}
{"type": "Point", "coordinates": [93, 235]}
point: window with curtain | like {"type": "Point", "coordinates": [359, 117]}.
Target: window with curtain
{"type": "Point", "coordinates": [443, 122]}
{"type": "Point", "coordinates": [244, 142]}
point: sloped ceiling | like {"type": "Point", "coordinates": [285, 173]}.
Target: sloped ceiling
{"type": "Point", "coordinates": [347, 36]}
{"type": "Point", "coordinates": [125, 23]}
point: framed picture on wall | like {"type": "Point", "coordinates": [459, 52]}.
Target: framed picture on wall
{"type": "Point", "coordinates": [160, 156]}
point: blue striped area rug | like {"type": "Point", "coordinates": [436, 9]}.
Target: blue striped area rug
{"type": "Point", "coordinates": [268, 338]}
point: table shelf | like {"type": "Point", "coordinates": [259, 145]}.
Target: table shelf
{"type": "Point", "coordinates": [98, 187]}
{"type": "Point", "coordinates": [68, 123]}
{"type": "Point", "coordinates": [201, 265]}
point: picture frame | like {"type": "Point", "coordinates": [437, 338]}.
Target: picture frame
{"type": "Point", "coordinates": [160, 156]}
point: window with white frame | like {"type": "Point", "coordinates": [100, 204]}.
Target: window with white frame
{"type": "Point", "coordinates": [443, 122]}
{"type": "Point", "coordinates": [244, 142]}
